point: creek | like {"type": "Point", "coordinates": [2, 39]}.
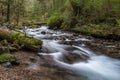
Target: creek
{"type": "Point", "coordinates": [69, 51]}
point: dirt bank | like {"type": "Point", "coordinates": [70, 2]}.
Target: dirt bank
{"type": "Point", "coordinates": [25, 72]}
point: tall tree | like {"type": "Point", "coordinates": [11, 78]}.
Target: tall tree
{"type": "Point", "coordinates": [8, 10]}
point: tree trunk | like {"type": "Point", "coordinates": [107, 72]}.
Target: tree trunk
{"type": "Point", "coordinates": [8, 11]}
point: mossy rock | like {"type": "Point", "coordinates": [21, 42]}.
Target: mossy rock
{"type": "Point", "coordinates": [19, 39]}
{"type": "Point", "coordinates": [7, 57]}
{"type": "Point", "coordinates": [8, 61]}
{"type": "Point", "coordinates": [26, 42]}
{"type": "Point", "coordinates": [4, 43]}
{"type": "Point", "coordinates": [4, 49]}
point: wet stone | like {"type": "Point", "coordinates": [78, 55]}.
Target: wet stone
{"type": "Point", "coordinates": [43, 32]}
{"type": "Point", "coordinates": [72, 58]}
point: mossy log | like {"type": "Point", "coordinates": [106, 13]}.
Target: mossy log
{"type": "Point", "coordinates": [19, 39]}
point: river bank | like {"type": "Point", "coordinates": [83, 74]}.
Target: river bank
{"type": "Point", "coordinates": [25, 71]}
{"type": "Point", "coordinates": [110, 48]}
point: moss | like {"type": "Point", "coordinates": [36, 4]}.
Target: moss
{"type": "Point", "coordinates": [30, 43]}
{"type": "Point", "coordinates": [26, 42]}
{"type": "Point", "coordinates": [17, 38]}
{"type": "Point", "coordinates": [99, 31]}
{"type": "Point", "coordinates": [55, 21]}
{"type": "Point", "coordinates": [4, 43]}
{"type": "Point", "coordinates": [6, 57]}
{"type": "Point", "coordinates": [69, 23]}
{"type": "Point", "coordinates": [118, 21]}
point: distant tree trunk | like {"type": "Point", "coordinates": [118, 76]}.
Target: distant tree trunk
{"type": "Point", "coordinates": [53, 4]}
{"type": "Point", "coordinates": [18, 12]}
{"type": "Point", "coordinates": [43, 6]}
{"type": "Point", "coordinates": [8, 11]}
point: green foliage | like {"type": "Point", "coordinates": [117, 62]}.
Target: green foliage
{"type": "Point", "coordinates": [25, 42]}
{"type": "Point", "coordinates": [66, 24]}
{"type": "Point", "coordinates": [101, 31]}
{"type": "Point", "coordinates": [118, 21]}
{"type": "Point", "coordinates": [76, 2]}
{"type": "Point", "coordinates": [65, 14]}
{"type": "Point", "coordinates": [68, 11]}
{"type": "Point", "coordinates": [36, 11]}
{"type": "Point", "coordinates": [6, 57]}
{"type": "Point", "coordinates": [55, 21]}
{"type": "Point", "coordinates": [20, 40]}
{"type": "Point", "coordinates": [69, 23]}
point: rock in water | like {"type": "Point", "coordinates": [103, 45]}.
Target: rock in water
{"type": "Point", "coordinates": [43, 32]}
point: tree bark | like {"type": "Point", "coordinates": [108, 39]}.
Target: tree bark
{"type": "Point", "coordinates": [8, 11]}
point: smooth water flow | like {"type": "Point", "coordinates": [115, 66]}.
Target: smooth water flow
{"type": "Point", "coordinates": [86, 64]}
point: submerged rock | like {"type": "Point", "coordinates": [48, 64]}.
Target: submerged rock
{"type": "Point", "coordinates": [43, 32]}
{"type": "Point", "coordinates": [73, 57]}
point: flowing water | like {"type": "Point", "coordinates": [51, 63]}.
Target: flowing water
{"type": "Point", "coordinates": [86, 64]}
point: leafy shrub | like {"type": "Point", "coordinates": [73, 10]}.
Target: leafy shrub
{"type": "Point", "coordinates": [55, 21]}
{"type": "Point", "coordinates": [69, 23]}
